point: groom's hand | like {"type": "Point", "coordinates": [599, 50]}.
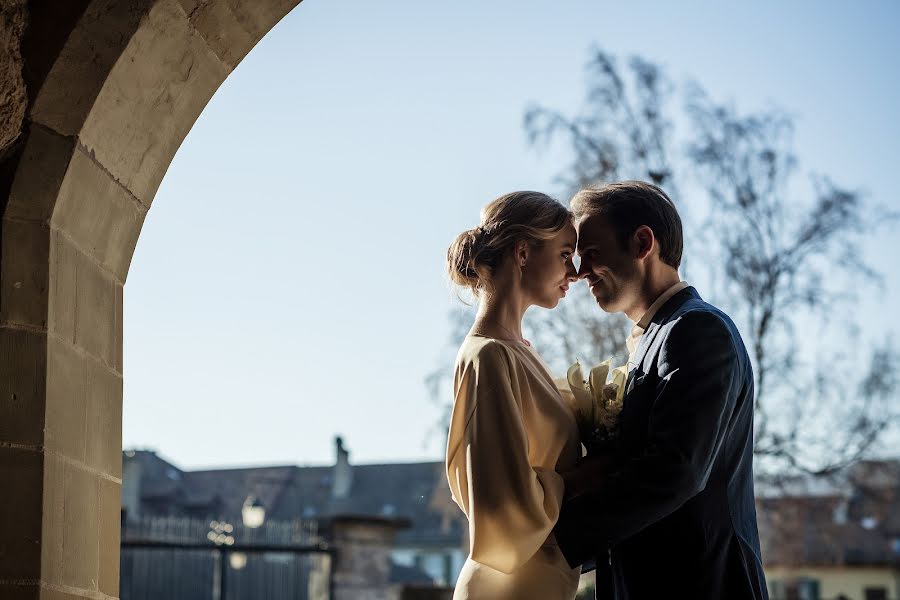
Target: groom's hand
{"type": "Point", "coordinates": [585, 475]}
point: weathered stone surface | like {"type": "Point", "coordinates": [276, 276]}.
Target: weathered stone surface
{"type": "Point", "coordinates": [231, 27]}
{"type": "Point", "coordinates": [41, 170]}
{"type": "Point", "coordinates": [362, 564]}
{"type": "Point", "coordinates": [20, 514]}
{"type": "Point", "coordinates": [108, 112]}
{"type": "Point", "coordinates": [12, 591]}
{"type": "Point", "coordinates": [23, 361]}
{"type": "Point", "coordinates": [96, 329]}
{"type": "Point", "coordinates": [84, 409]}
{"type": "Point", "coordinates": [83, 65]}
{"type": "Point", "coordinates": [152, 97]}
{"type": "Point", "coordinates": [110, 532]}
{"type": "Point", "coordinates": [24, 273]}
{"type": "Point", "coordinates": [54, 519]}
{"type": "Point", "coordinates": [103, 420]}
{"type": "Point", "coordinates": [81, 538]}
{"type": "Point", "coordinates": [50, 594]}
{"type": "Point", "coordinates": [70, 546]}
{"type": "Point", "coordinates": [98, 214]}
{"type": "Point", "coordinates": [66, 400]}
{"type": "Point", "coordinates": [13, 99]}
{"type": "Point", "coordinates": [85, 302]}
{"type": "Point", "coordinates": [64, 258]}
{"type": "Point", "coordinates": [118, 329]}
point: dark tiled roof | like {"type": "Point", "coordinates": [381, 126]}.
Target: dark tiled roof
{"type": "Point", "coordinates": [417, 491]}
{"type": "Point", "coordinates": [409, 575]}
{"type": "Point", "coordinates": [414, 491]}
{"type": "Point", "coordinates": [267, 484]}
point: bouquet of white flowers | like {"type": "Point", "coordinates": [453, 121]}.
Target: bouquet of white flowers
{"type": "Point", "coordinates": [597, 400]}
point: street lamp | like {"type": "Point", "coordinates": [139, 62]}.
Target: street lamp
{"type": "Point", "coordinates": [237, 560]}
{"type": "Point", "coordinates": [253, 512]}
{"type": "Point", "coordinates": [220, 534]}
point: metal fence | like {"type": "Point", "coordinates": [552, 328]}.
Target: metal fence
{"type": "Point", "coordinates": [189, 559]}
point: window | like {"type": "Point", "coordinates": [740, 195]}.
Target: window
{"type": "Point", "coordinates": [840, 513]}
{"type": "Point", "coordinates": [808, 589]}
{"type": "Point", "coordinates": [869, 523]}
{"type": "Point", "coordinates": [803, 588]}
{"type": "Point", "coordinates": [875, 593]}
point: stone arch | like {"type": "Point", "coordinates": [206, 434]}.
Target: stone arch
{"type": "Point", "coordinates": [111, 87]}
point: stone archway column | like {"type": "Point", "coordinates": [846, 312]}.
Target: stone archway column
{"type": "Point", "coordinates": [61, 375]}
{"type": "Point", "coordinates": [105, 117]}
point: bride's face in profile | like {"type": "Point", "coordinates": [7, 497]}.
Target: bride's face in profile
{"type": "Point", "coordinates": [549, 269]}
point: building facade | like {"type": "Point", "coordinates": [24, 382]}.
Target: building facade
{"type": "Point", "coordinates": [402, 512]}
{"type": "Point", "coordinates": [833, 538]}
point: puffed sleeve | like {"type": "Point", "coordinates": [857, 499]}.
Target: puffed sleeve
{"type": "Point", "coordinates": [511, 506]}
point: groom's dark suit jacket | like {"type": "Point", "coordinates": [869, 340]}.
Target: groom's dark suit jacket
{"type": "Point", "coordinates": [676, 516]}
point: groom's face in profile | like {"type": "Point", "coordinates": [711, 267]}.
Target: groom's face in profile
{"type": "Point", "coordinates": [610, 270]}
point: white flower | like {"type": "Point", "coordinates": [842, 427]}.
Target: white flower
{"type": "Point", "coordinates": [596, 402]}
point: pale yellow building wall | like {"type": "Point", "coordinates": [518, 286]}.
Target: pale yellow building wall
{"type": "Point", "coordinates": [849, 581]}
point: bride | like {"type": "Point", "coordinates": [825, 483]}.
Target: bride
{"type": "Point", "coordinates": [510, 432]}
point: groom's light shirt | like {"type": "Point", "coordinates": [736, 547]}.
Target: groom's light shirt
{"type": "Point", "coordinates": [641, 326]}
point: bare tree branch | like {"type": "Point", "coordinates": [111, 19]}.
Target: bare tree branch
{"type": "Point", "coordinates": [783, 261]}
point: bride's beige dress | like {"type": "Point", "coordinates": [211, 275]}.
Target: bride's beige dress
{"type": "Point", "coordinates": [509, 434]}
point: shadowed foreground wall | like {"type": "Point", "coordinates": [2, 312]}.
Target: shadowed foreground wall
{"type": "Point", "coordinates": [95, 98]}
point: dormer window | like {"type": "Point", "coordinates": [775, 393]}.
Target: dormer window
{"type": "Point", "coordinates": [869, 523]}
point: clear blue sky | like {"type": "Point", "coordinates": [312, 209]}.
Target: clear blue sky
{"type": "Point", "coordinates": [289, 280]}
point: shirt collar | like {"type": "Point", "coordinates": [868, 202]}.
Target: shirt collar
{"type": "Point", "coordinates": [638, 330]}
{"type": "Point", "coordinates": [664, 297]}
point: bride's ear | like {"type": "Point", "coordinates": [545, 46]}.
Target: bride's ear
{"type": "Point", "coordinates": [521, 252]}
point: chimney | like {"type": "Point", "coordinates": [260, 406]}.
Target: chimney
{"type": "Point", "coordinates": [342, 478]}
{"type": "Point", "coordinates": [131, 485]}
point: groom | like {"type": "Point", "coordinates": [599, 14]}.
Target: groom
{"type": "Point", "coordinates": [674, 516]}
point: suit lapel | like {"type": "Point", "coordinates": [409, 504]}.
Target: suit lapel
{"type": "Point", "coordinates": [661, 317]}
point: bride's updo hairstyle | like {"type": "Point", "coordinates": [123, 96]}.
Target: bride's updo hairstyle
{"type": "Point", "coordinates": [474, 255]}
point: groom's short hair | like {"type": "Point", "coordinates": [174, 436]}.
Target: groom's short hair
{"type": "Point", "coordinates": [629, 204]}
